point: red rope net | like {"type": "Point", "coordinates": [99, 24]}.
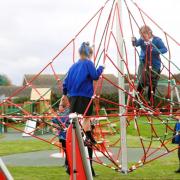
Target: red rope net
{"type": "Point", "coordinates": [149, 129]}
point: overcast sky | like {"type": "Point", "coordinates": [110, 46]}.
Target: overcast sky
{"type": "Point", "coordinates": [33, 31]}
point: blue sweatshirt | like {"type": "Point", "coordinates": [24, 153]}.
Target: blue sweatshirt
{"type": "Point", "coordinates": [79, 80]}
{"type": "Point", "coordinates": [157, 44]}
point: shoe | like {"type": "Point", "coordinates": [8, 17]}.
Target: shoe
{"type": "Point", "coordinates": [95, 175]}
{"type": "Point", "coordinates": [177, 171]}
{"type": "Point", "coordinates": [67, 171]}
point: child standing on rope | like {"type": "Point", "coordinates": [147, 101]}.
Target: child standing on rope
{"type": "Point", "coordinates": [78, 85]}
{"type": "Point", "coordinates": [150, 61]}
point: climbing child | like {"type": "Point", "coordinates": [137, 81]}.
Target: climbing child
{"type": "Point", "coordinates": [150, 62]}
{"type": "Point", "coordinates": [78, 85]}
{"type": "Point", "coordinates": [62, 123]}
{"type": "Point", "coordinates": [176, 139]}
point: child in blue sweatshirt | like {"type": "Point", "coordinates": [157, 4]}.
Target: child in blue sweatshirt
{"type": "Point", "coordinates": [150, 61]}
{"type": "Point", "coordinates": [176, 138]}
{"type": "Point", "coordinates": [78, 86]}
{"type": "Point", "coordinates": [62, 123]}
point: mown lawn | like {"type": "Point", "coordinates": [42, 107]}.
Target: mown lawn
{"type": "Point", "coordinates": [161, 169]}
{"type": "Point", "coordinates": [1, 136]}
{"type": "Point", "coordinates": [22, 146]}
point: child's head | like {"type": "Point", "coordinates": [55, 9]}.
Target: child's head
{"type": "Point", "coordinates": [64, 103]}
{"type": "Point", "coordinates": [145, 32]}
{"type": "Point", "coordinates": [84, 50]}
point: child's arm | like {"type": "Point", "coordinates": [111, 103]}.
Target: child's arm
{"type": "Point", "coordinates": [93, 72]}
{"type": "Point", "coordinates": [159, 47]}
{"type": "Point", "coordinates": [136, 42]}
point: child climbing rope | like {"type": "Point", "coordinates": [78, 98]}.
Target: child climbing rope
{"type": "Point", "coordinates": [150, 61]}
{"type": "Point", "coordinates": [78, 85]}
{"type": "Point", "coordinates": [62, 124]}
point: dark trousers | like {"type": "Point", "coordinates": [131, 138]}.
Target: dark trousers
{"type": "Point", "coordinates": [140, 88]}
{"type": "Point", "coordinates": [147, 77]}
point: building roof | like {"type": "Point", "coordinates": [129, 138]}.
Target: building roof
{"type": "Point", "coordinates": [43, 80]}
{"type": "Point", "coordinates": [49, 81]}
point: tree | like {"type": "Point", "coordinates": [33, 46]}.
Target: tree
{"type": "Point", "coordinates": [4, 80]}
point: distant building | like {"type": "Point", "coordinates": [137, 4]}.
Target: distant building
{"type": "Point", "coordinates": [49, 81]}
{"type": "Point", "coordinates": [55, 84]}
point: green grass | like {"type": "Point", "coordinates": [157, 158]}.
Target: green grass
{"type": "Point", "coordinates": [161, 169]}
{"type": "Point", "coordinates": [143, 125]}
{"type": "Point", "coordinates": [22, 146]}
{"type": "Point", "coordinates": [145, 132]}
{"type": "Point", "coordinates": [38, 173]}
{"type": "Point", "coordinates": [1, 136]}
{"type": "Point", "coordinates": [145, 129]}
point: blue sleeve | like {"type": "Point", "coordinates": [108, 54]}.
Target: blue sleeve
{"type": "Point", "coordinates": [94, 74]}
{"type": "Point", "coordinates": [138, 42]}
{"type": "Point", "coordinates": [159, 47]}
{"type": "Point", "coordinates": [65, 85]}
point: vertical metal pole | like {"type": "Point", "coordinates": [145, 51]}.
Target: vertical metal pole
{"type": "Point", "coordinates": [172, 95]}
{"type": "Point", "coordinates": [120, 65]}
{"type": "Point", "coordinates": [176, 90]}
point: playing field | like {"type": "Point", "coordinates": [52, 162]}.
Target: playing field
{"type": "Point", "coordinates": [162, 168]}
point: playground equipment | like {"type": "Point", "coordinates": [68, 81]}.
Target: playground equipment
{"type": "Point", "coordinates": [30, 127]}
{"type": "Point", "coordinates": [4, 173]}
{"type": "Point", "coordinates": [78, 156]}
{"type": "Point", "coordinates": [2, 127]}
{"type": "Point", "coordinates": [148, 120]}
